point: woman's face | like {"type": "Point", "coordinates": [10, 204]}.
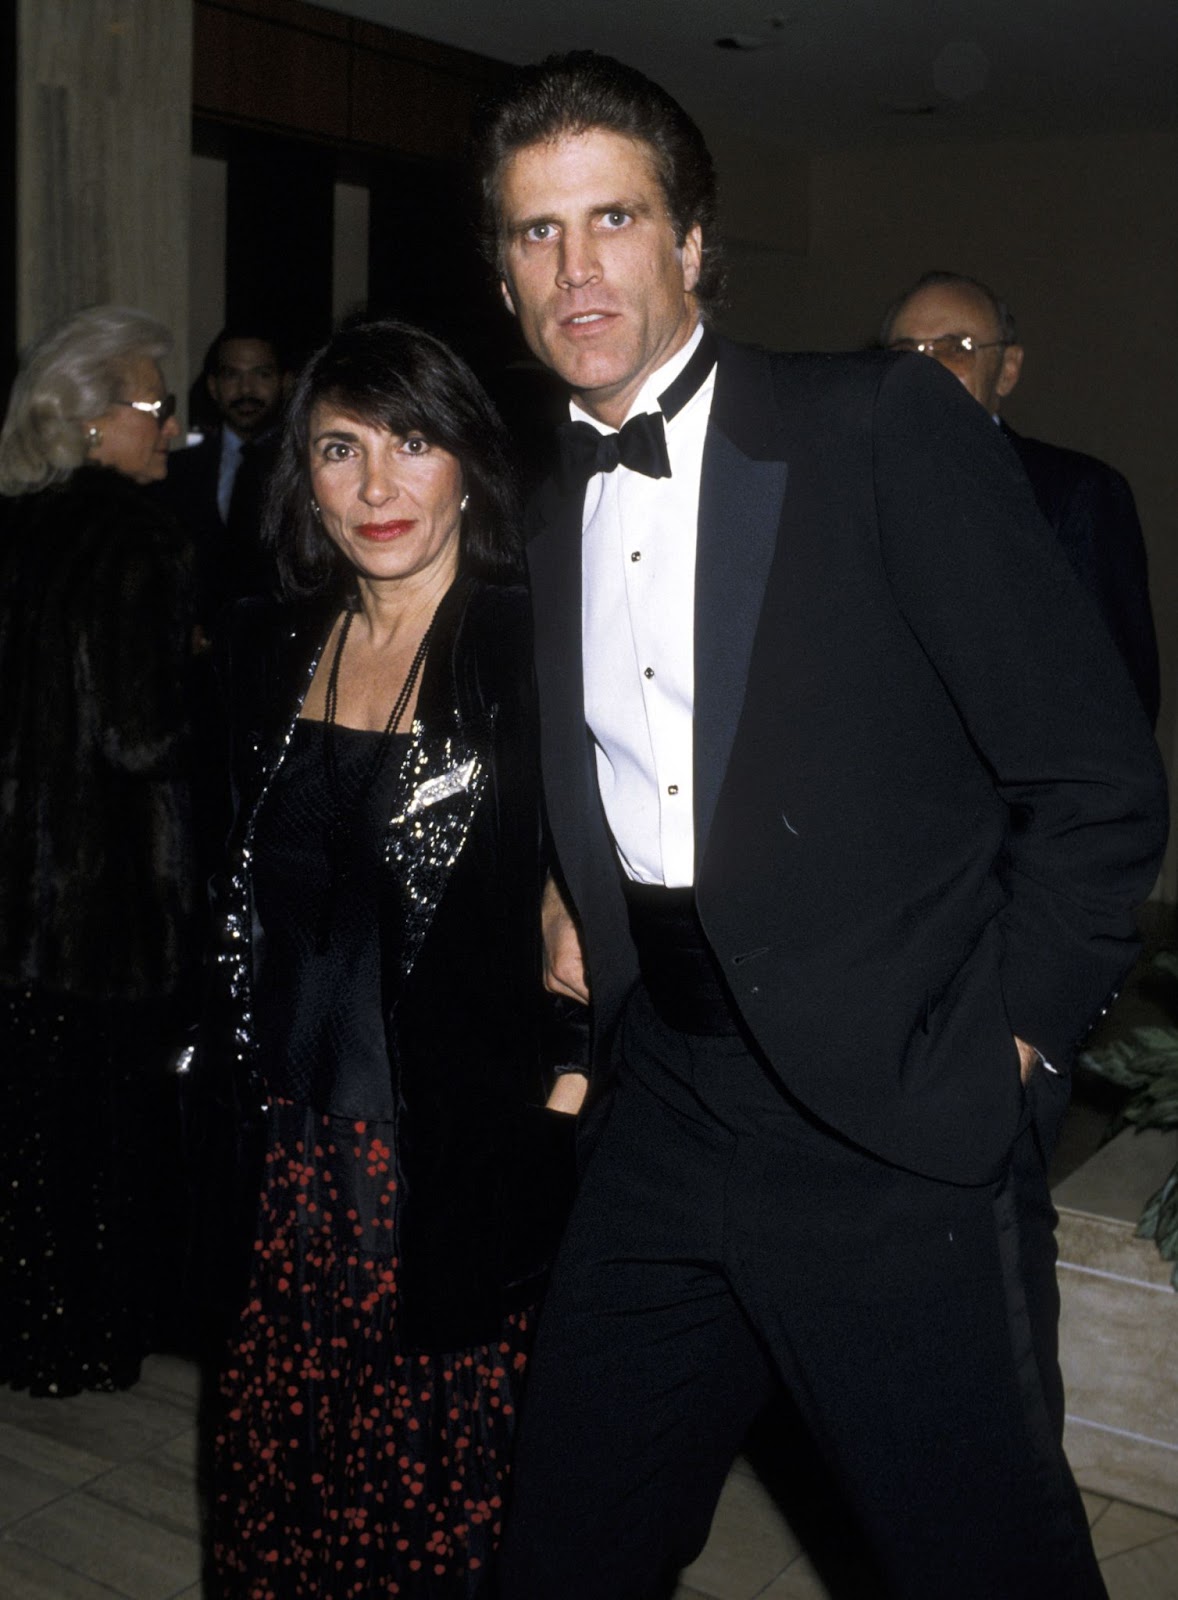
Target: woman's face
{"type": "Point", "coordinates": [391, 503]}
{"type": "Point", "coordinates": [133, 442]}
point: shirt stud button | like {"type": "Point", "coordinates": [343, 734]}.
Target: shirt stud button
{"type": "Point", "coordinates": [672, 788]}
{"type": "Point", "coordinates": [648, 672]}
{"type": "Point", "coordinates": [636, 555]}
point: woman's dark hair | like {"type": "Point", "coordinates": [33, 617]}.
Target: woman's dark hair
{"type": "Point", "coordinates": [573, 93]}
{"type": "Point", "coordinates": [393, 376]}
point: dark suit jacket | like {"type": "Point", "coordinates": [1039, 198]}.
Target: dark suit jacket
{"type": "Point", "coordinates": [926, 796]}
{"type": "Point", "coordinates": [230, 561]}
{"type": "Point", "coordinates": [1091, 508]}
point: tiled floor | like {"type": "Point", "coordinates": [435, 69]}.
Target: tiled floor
{"type": "Point", "coordinates": [98, 1492]}
{"type": "Point", "coordinates": [753, 1555]}
{"type": "Point", "coordinates": [98, 1502]}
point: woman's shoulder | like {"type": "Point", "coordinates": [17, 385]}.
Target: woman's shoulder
{"type": "Point", "coordinates": [491, 650]}
{"type": "Point", "coordinates": [260, 648]}
{"type": "Point", "coordinates": [499, 614]}
{"type": "Point", "coordinates": [497, 622]}
{"type": "Point", "coordinates": [110, 533]}
{"type": "Point", "coordinates": [256, 623]}
{"type": "Point", "coordinates": [93, 499]}
{"type": "Point", "coordinates": [267, 628]}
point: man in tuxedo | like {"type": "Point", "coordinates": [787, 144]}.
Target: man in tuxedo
{"type": "Point", "coordinates": [852, 801]}
{"type": "Point", "coordinates": [217, 488]}
{"type": "Point", "coordinates": [966, 327]}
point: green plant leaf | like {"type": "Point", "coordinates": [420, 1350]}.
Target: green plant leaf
{"type": "Point", "coordinates": [1166, 961]}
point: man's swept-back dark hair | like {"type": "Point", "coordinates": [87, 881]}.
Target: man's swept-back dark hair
{"type": "Point", "coordinates": [389, 375]}
{"type": "Point", "coordinates": [1003, 315]}
{"type": "Point", "coordinates": [573, 93]}
{"type": "Point", "coordinates": [241, 330]}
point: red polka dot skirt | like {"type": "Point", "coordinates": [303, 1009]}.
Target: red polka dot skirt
{"type": "Point", "coordinates": [342, 1466]}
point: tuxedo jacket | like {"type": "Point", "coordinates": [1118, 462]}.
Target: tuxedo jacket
{"type": "Point", "coordinates": [926, 796]}
{"type": "Point", "coordinates": [1090, 506]}
{"type": "Point", "coordinates": [230, 561]}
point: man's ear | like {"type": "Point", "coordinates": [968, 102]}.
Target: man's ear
{"type": "Point", "coordinates": [505, 291]}
{"type": "Point", "coordinates": [692, 255]}
{"type": "Point", "coordinates": [1010, 370]}
{"type": "Point", "coordinates": [211, 385]}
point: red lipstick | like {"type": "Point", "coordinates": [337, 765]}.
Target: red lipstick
{"type": "Point", "coordinates": [382, 532]}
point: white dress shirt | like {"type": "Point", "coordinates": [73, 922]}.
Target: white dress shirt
{"type": "Point", "coordinates": [638, 637]}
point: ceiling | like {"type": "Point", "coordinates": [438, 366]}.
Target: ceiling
{"type": "Point", "coordinates": [828, 73]}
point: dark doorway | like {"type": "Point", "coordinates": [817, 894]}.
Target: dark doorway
{"type": "Point", "coordinates": [424, 264]}
{"type": "Point", "coordinates": [425, 267]}
{"type": "Point", "coordinates": [278, 232]}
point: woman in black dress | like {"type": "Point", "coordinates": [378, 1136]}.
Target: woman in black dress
{"type": "Point", "coordinates": [381, 1001]}
{"type": "Point", "coordinates": [97, 879]}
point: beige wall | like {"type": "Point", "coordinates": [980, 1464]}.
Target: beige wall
{"type": "Point", "coordinates": [1080, 235]}
{"type": "Point", "coordinates": [104, 93]}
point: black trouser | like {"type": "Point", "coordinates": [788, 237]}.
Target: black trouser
{"type": "Point", "coordinates": [723, 1243]}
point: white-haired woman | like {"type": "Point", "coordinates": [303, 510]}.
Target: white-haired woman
{"type": "Point", "coordinates": [95, 858]}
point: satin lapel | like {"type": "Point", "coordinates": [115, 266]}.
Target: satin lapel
{"type": "Point", "coordinates": [554, 562]}
{"type": "Point", "coordinates": [742, 492]}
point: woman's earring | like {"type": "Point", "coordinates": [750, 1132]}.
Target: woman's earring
{"type": "Point", "coordinates": [316, 510]}
{"type": "Point", "coordinates": [464, 502]}
{"type": "Point", "coordinates": [93, 438]}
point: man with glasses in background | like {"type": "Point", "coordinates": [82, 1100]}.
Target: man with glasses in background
{"type": "Point", "coordinates": [966, 327]}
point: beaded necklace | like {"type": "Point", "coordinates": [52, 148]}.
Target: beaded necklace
{"type": "Point", "coordinates": [346, 808]}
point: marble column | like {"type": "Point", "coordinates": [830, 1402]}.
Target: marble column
{"type": "Point", "coordinates": [104, 116]}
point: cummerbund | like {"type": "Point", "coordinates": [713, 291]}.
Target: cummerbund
{"type": "Point", "coordinates": [678, 969]}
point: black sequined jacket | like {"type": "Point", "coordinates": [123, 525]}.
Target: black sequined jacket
{"type": "Point", "coordinates": [97, 876]}
{"type": "Point", "coordinates": [484, 1171]}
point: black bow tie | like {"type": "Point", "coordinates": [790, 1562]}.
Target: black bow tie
{"type": "Point", "coordinates": [641, 444]}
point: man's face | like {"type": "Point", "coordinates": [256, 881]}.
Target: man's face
{"type": "Point", "coordinates": [247, 385]}
{"type": "Point", "coordinates": [590, 265]}
{"type": "Point", "coordinates": [943, 309]}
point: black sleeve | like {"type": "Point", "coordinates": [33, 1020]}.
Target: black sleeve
{"type": "Point", "coordinates": [1099, 517]}
{"type": "Point", "coordinates": [508, 680]}
{"type": "Point", "coordinates": [1040, 689]}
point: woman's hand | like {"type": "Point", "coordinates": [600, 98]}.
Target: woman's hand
{"type": "Point", "coordinates": [568, 1093]}
{"type": "Point", "coordinates": [564, 965]}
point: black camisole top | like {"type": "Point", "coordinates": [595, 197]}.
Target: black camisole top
{"type": "Point", "coordinates": [319, 894]}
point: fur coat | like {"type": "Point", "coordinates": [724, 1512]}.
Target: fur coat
{"type": "Point", "coordinates": [96, 867]}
